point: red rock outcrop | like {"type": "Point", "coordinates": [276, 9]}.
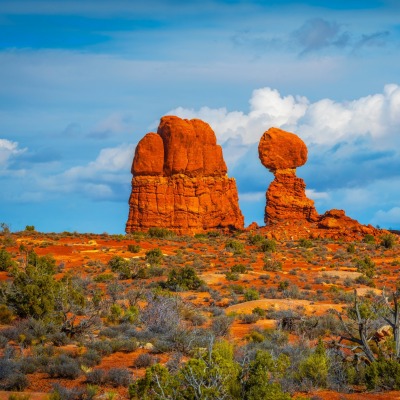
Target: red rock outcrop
{"type": "Point", "coordinates": [281, 152]}
{"type": "Point", "coordinates": [180, 182]}
{"type": "Point", "coordinates": [289, 214]}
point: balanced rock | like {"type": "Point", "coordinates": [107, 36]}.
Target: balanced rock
{"type": "Point", "coordinates": [282, 152]}
{"type": "Point", "coordinates": [180, 181]}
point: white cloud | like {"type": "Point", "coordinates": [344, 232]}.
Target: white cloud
{"type": "Point", "coordinates": [313, 194]}
{"type": "Point", "coordinates": [8, 150]}
{"type": "Point", "coordinates": [105, 178]}
{"type": "Point", "coordinates": [322, 122]}
{"type": "Point", "coordinates": [389, 218]}
{"type": "Point", "coordinates": [252, 197]}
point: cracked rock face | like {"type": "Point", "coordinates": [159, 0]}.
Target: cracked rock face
{"type": "Point", "coordinates": [180, 181]}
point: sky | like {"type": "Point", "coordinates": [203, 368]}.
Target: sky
{"type": "Point", "coordinates": [82, 81]}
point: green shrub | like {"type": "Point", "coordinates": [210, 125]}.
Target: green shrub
{"type": "Point", "coordinates": [154, 256]}
{"type": "Point", "coordinates": [383, 374]}
{"type": "Point", "coordinates": [134, 248]}
{"type": "Point", "coordinates": [351, 248]}
{"type": "Point", "coordinates": [103, 278]}
{"type": "Point", "coordinates": [366, 266]}
{"type": "Point", "coordinates": [6, 261]}
{"type": "Point", "coordinates": [30, 228]}
{"type": "Point", "coordinates": [251, 294]}
{"type": "Point", "coordinates": [388, 240]}
{"type": "Point", "coordinates": [306, 243]}
{"type": "Point", "coordinates": [283, 285]}
{"type": "Point", "coordinates": [315, 367]}
{"type": "Point", "coordinates": [272, 264]}
{"type": "Point", "coordinates": [255, 239]}
{"type": "Point", "coordinates": [238, 269]}
{"type": "Point", "coordinates": [232, 276]}
{"type": "Point", "coordinates": [234, 246]}
{"type": "Point", "coordinates": [267, 246]}
{"type": "Point", "coordinates": [160, 233]}
{"type": "Point", "coordinates": [370, 239]}
{"type": "Point", "coordinates": [183, 279]}
{"type": "Point", "coordinates": [6, 315]}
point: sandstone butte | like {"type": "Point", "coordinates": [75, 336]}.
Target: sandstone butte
{"type": "Point", "coordinates": [288, 212]}
{"type": "Point", "coordinates": [180, 181]}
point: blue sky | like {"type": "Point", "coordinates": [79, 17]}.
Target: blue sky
{"type": "Point", "coordinates": [82, 81]}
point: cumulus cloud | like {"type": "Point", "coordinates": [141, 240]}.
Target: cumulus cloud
{"type": "Point", "coordinates": [390, 218]}
{"type": "Point", "coordinates": [8, 151]}
{"type": "Point", "coordinates": [105, 178]}
{"type": "Point", "coordinates": [322, 122]}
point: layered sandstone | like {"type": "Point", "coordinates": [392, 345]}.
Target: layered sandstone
{"type": "Point", "coordinates": [289, 214]}
{"type": "Point", "coordinates": [282, 152]}
{"type": "Point", "coordinates": [180, 181]}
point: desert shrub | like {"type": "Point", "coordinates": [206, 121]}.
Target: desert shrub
{"type": "Point", "coordinates": [351, 248]}
{"type": "Point", "coordinates": [134, 248]}
{"type": "Point", "coordinates": [234, 246]}
{"type": "Point", "coordinates": [144, 360]}
{"type": "Point", "coordinates": [160, 233]}
{"type": "Point", "coordinates": [6, 315]}
{"type": "Point", "coordinates": [236, 288]}
{"type": "Point", "coordinates": [117, 263]}
{"type": "Point", "coordinates": [33, 290]}
{"type": "Point", "coordinates": [10, 376]}
{"type": "Point", "coordinates": [238, 268]}
{"type": "Point", "coordinates": [366, 266]}
{"type": "Point", "coordinates": [103, 278]}
{"type": "Point", "coordinates": [96, 376]}
{"type": "Point", "coordinates": [90, 358]}
{"type": "Point", "coordinates": [283, 285]}
{"type": "Point", "coordinates": [388, 240]}
{"type": "Point", "coordinates": [251, 294]}
{"type": "Point", "coordinates": [30, 228]}
{"type": "Point", "coordinates": [6, 261]}
{"type": "Point", "coordinates": [119, 377]}
{"type": "Point", "coordinates": [183, 279]}
{"type": "Point", "coordinates": [383, 374]}
{"type": "Point", "coordinates": [63, 393]}
{"type": "Point", "coordinates": [315, 367]}
{"type": "Point", "coordinates": [63, 366]}
{"type": "Point", "coordinates": [259, 311]}
{"type": "Point", "coordinates": [264, 374]}
{"type": "Point", "coordinates": [232, 276]}
{"type": "Point", "coordinates": [221, 324]}
{"type": "Point", "coordinates": [17, 396]}
{"type": "Point", "coordinates": [306, 243]}
{"type": "Point", "coordinates": [267, 246]}
{"type": "Point", "coordinates": [249, 318]}
{"type": "Point", "coordinates": [370, 239]}
{"type": "Point", "coordinates": [255, 239]}
{"type": "Point", "coordinates": [272, 264]}
{"type": "Point", "coordinates": [102, 347]}
{"type": "Point", "coordinates": [154, 256]}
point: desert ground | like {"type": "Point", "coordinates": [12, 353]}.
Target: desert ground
{"type": "Point", "coordinates": [245, 289]}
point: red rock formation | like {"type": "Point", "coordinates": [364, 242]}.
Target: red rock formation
{"type": "Point", "coordinates": [289, 214]}
{"type": "Point", "coordinates": [281, 152]}
{"type": "Point", "coordinates": [180, 182]}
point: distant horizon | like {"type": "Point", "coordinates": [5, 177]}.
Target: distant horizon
{"type": "Point", "coordinates": [83, 82]}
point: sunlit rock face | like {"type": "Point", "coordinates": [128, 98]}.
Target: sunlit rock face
{"type": "Point", "coordinates": [180, 181]}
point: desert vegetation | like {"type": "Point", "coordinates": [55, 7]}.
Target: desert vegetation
{"type": "Point", "coordinates": [160, 316]}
